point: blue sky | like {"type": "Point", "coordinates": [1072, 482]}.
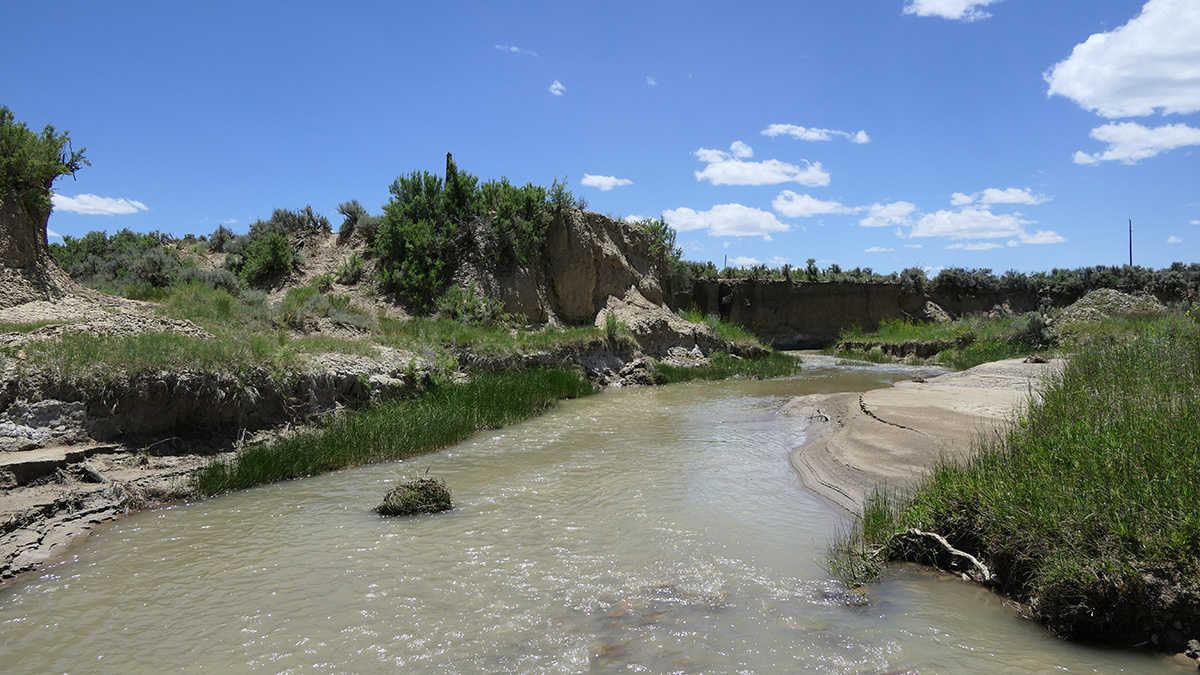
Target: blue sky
{"type": "Point", "coordinates": [1006, 134]}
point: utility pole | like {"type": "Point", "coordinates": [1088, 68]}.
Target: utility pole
{"type": "Point", "coordinates": [1131, 242]}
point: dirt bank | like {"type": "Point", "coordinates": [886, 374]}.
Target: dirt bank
{"type": "Point", "coordinates": [858, 442]}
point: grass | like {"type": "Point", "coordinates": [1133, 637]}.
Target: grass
{"type": "Point", "coordinates": [1095, 488]}
{"type": "Point", "coordinates": [398, 429]}
{"type": "Point", "coordinates": [77, 356]}
{"type": "Point", "coordinates": [726, 330]}
{"type": "Point", "coordinates": [975, 340]}
{"type": "Point", "coordinates": [721, 366]}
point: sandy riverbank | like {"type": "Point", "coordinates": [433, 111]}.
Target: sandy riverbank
{"type": "Point", "coordinates": [858, 442]}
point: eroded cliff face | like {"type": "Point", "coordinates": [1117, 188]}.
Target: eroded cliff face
{"type": "Point", "coordinates": [802, 315]}
{"type": "Point", "coordinates": [586, 259]}
{"type": "Point", "coordinates": [27, 272]}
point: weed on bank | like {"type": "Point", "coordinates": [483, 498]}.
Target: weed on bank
{"type": "Point", "coordinates": [1088, 503]}
{"type": "Point", "coordinates": [398, 429]}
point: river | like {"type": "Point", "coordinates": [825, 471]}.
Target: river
{"type": "Point", "coordinates": [656, 530]}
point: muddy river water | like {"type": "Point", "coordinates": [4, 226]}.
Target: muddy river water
{"type": "Point", "coordinates": [640, 530]}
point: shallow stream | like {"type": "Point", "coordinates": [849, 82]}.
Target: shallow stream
{"type": "Point", "coordinates": [641, 530]}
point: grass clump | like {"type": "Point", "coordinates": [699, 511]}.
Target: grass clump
{"type": "Point", "coordinates": [722, 365]}
{"type": "Point", "coordinates": [412, 497]}
{"type": "Point", "coordinates": [77, 356]}
{"type": "Point", "coordinates": [398, 429]}
{"type": "Point", "coordinates": [1090, 505]}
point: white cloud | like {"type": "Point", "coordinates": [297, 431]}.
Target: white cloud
{"type": "Point", "coordinates": [52, 234]}
{"type": "Point", "coordinates": [1151, 63]}
{"type": "Point", "coordinates": [982, 246]}
{"type": "Point", "coordinates": [741, 150]}
{"type": "Point", "coordinates": [96, 205]}
{"type": "Point", "coordinates": [1194, 222]}
{"type": "Point", "coordinates": [961, 10]}
{"type": "Point", "coordinates": [634, 218]}
{"type": "Point", "coordinates": [726, 220]}
{"type": "Point", "coordinates": [650, 81]}
{"type": "Point", "coordinates": [605, 183]}
{"type": "Point", "coordinates": [1174, 240]}
{"type": "Point", "coordinates": [912, 246]}
{"type": "Point", "coordinates": [729, 168]}
{"type": "Point", "coordinates": [896, 213]}
{"type": "Point", "coordinates": [1130, 142]}
{"type": "Point", "coordinates": [777, 261]}
{"type": "Point", "coordinates": [557, 88]}
{"type": "Point", "coordinates": [980, 223]}
{"type": "Point", "coordinates": [795, 205]}
{"type": "Point", "coordinates": [515, 50]}
{"type": "Point", "coordinates": [877, 249]}
{"type": "Point", "coordinates": [1039, 237]}
{"type": "Point", "coordinates": [998, 196]}
{"type": "Point", "coordinates": [743, 261]}
{"type": "Point", "coordinates": [813, 134]}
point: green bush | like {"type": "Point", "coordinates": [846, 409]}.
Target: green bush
{"type": "Point", "coordinates": [31, 162]}
{"type": "Point", "coordinates": [124, 259]}
{"type": "Point", "coordinates": [468, 305]}
{"type": "Point", "coordinates": [350, 271]}
{"type": "Point", "coordinates": [266, 257]}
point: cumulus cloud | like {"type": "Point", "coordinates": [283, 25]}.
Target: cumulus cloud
{"type": "Point", "coordinates": [605, 183]}
{"type": "Point", "coordinates": [998, 196]}
{"type": "Point", "coordinates": [726, 220]}
{"type": "Point", "coordinates": [1174, 240]}
{"type": "Point", "coordinates": [512, 49]}
{"type": "Point", "coordinates": [743, 261]}
{"type": "Point", "coordinates": [960, 10]}
{"type": "Point", "coordinates": [96, 205]}
{"type": "Point", "coordinates": [1194, 222]}
{"type": "Point", "coordinates": [813, 134]}
{"type": "Point", "coordinates": [650, 81]}
{"type": "Point", "coordinates": [557, 88]}
{"type": "Point", "coordinates": [1130, 142]}
{"type": "Point", "coordinates": [1151, 63]}
{"type": "Point", "coordinates": [980, 223]}
{"type": "Point", "coordinates": [877, 249]}
{"type": "Point", "coordinates": [896, 213]}
{"type": "Point", "coordinates": [979, 246]}
{"type": "Point", "coordinates": [795, 205]}
{"type": "Point", "coordinates": [731, 168]}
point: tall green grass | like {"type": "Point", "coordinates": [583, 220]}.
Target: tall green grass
{"type": "Point", "coordinates": [1096, 485]}
{"type": "Point", "coordinates": [77, 356]}
{"type": "Point", "coordinates": [721, 366]}
{"type": "Point", "coordinates": [398, 429]}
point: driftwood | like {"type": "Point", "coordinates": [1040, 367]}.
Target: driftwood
{"type": "Point", "coordinates": [932, 548]}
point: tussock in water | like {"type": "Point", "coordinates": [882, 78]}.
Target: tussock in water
{"type": "Point", "coordinates": [421, 495]}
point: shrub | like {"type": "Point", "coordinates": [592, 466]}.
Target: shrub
{"type": "Point", "coordinates": [266, 257]}
{"type": "Point", "coordinates": [323, 282]}
{"type": "Point", "coordinates": [31, 162]}
{"type": "Point", "coordinates": [350, 271]}
{"type": "Point", "coordinates": [468, 305]}
{"type": "Point", "coordinates": [220, 238]}
{"type": "Point", "coordinates": [126, 258]}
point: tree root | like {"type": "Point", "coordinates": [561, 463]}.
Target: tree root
{"type": "Point", "coordinates": [931, 548]}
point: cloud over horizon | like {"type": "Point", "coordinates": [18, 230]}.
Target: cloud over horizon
{"type": "Point", "coordinates": [95, 205]}
{"type": "Point", "coordinates": [813, 134]}
{"type": "Point", "coordinates": [726, 220]}
{"type": "Point", "coordinates": [959, 10]}
{"type": "Point", "coordinates": [998, 196]}
{"type": "Point", "coordinates": [1150, 64]}
{"type": "Point", "coordinates": [1130, 142]}
{"type": "Point", "coordinates": [732, 168]}
{"type": "Point", "coordinates": [604, 183]}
